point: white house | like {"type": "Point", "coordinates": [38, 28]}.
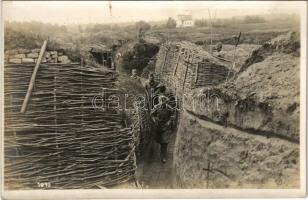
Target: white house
{"type": "Point", "coordinates": [184, 21]}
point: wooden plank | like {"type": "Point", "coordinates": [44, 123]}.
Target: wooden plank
{"type": "Point", "coordinates": [32, 80]}
{"type": "Point", "coordinates": [187, 63]}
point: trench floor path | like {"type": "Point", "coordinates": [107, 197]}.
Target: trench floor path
{"type": "Point", "coordinates": [152, 173]}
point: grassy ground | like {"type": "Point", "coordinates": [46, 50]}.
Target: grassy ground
{"type": "Point", "coordinates": [255, 33]}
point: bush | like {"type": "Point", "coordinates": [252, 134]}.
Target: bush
{"type": "Point", "coordinates": [171, 23]}
{"type": "Point", "coordinates": [253, 19]}
{"type": "Point", "coordinates": [143, 25]}
{"type": "Point", "coordinates": [201, 23]}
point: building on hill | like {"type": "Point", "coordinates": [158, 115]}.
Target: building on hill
{"type": "Point", "coordinates": [184, 21]}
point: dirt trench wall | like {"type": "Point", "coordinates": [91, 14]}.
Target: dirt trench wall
{"type": "Point", "coordinates": [286, 43]}
{"type": "Point", "coordinates": [244, 132]}
{"type": "Point", "coordinates": [208, 155]}
{"type": "Point", "coordinates": [183, 66]}
{"type": "Point", "coordinates": [261, 118]}
{"type": "Point", "coordinates": [264, 99]}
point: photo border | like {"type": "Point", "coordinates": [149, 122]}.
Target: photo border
{"type": "Point", "coordinates": [173, 193]}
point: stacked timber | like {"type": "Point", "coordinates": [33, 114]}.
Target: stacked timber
{"type": "Point", "coordinates": [62, 139]}
{"type": "Point", "coordinates": [27, 56]}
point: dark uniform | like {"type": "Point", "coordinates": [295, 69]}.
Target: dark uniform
{"type": "Point", "coordinates": [135, 76]}
{"type": "Point", "coordinates": [162, 117]}
{"type": "Point", "coordinates": [151, 87]}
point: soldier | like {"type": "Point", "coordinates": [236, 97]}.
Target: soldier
{"type": "Point", "coordinates": [151, 86]}
{"type": "Point", "coordinates": [162, 118]}
{"type": "Point", "coordinates": [134, 74]}
{"type": "Point", "coordinates": [160, 90]}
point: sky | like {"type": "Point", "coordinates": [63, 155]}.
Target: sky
{"type": "Point", "coordinates": [82, 12]}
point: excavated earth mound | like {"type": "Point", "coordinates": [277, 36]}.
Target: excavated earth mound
{"type": "Point", "coordinates": [287, 43]}
{"type": "Point", "coordinates": [248, 126]}
{"type": "Point", "coordinates": [242, 52]}
{"type": "Point", "coordinates": [264, 97]}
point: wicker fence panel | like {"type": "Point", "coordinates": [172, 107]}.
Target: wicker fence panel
{"type": "Point", "coordinates": [62, 139]}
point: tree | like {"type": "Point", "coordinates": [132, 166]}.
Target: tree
{"type": "Point", "coordinates": [254, 19]}
{"type": "Point", "coordinates": [201, 23]}
{"type": "Point", "coordinates": [80, 29]}
{"type": "Point", "coordinates": [171, 23]}
{"type": "Point", "coordinates": [142, 27]}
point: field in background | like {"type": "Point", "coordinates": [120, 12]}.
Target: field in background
{"type": "Point", "coordinates": [31, 34]}
{"type": "Point", "coordinates": [252, 33]}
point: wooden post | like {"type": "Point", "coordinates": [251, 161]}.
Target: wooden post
{"type": "Point", "coordinates": [189, 61]}
{"type": "Point", "coordinates": [234, 54]}
{"type": "Point", "coordinates": [56, 119]}
{"type": "Point", "coordinates": [32, 81]}
{"type": "Point", "coordinates": [185, 76]}
{"type": "Point", "coordinates": [177, 63]}
{"type": "Point", "coordinates": [165, 58]}
{"type": "Point", "coordinates": [196, 74]}
{"type": "Point", "coordinates": [81, 61]}
{"type": "Point", "coordinates": [208, 173]}
{"type": "Point", "coordinates": [210, 30]}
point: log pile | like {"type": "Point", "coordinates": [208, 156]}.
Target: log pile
{"type": "Point", "coordinates": [62, 139]}
{"type": "Point", "coordinates": [27, 56]}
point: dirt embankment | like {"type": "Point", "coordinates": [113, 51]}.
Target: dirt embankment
{"type": "Point", "coordinates": [238, 54]}
{"type": "Point", "coordinates": [286, 44]}
{"type": "Point", "coordinates": [264, 97]}
{"type": "Point", "coordinates": [259, 110]}
{"type": "Point", "coordinates": [211, 156]}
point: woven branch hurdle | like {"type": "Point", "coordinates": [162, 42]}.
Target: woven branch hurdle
{"type": "Point", "coordinates": [61, 138]}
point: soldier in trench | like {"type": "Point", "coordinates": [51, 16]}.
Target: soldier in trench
{"type": "Point", "coordinates": [135, 75]}
{"type": "Point", "coordinates": [151, 87]}
{"type": "Point", "coordinates": [160, 90]}
{"type": "Point", "coordinates": [161, 116]}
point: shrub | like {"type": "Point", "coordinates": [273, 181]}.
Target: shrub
{"type": "Point", "coordinates": [171, 23]}
{"type": "Point", "coordinates": [253, 19]}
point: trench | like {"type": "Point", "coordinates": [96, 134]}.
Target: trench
{"type": "Point", "coordinates": [152, 173]}
{"type": "Point", "coordinates": [246, 151]}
